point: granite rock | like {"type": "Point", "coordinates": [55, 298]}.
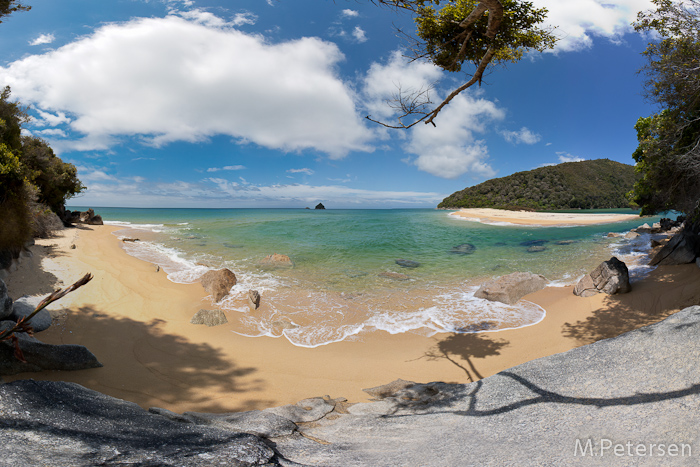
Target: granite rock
{"type": "Point", "coordinates": [512, 287]}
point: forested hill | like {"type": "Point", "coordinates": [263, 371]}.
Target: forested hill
{"type": "Point", "coordinates": [596, 184]}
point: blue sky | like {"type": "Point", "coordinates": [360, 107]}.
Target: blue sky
{"type": "Point", "coordinates": [255, 103]}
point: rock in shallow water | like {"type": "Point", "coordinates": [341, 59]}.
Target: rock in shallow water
{"type": "Point", "coordinates": [463, 249]}
{"type": "Point", "coordinates": [407, 263]}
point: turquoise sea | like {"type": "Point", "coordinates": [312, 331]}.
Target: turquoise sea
{"type": "Point", "coordinates": [339, 287]}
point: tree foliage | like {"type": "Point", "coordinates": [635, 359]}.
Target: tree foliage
{"type": "Point", "coordinates": [478, 33]}
{"type": "Point", "coordinates": [597, 184]}
{"type": "Point", "coordinates": [32, 177]}
{"type": "Point", "coordinates": [9, 6]}
{"type": "Point", "coordinates": [668, 155]}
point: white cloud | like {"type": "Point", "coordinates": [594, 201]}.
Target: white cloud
{"type": "Point", "coordinates": [450, 149]}
{"type": "Point", "coordinates": [218, 192]}
{"type": "Point", "coordinates": [244, 18]}
{"type": "Point", "coordinates": [50, 119]}
{"type": "Point", "coordinates": [43, 39]}
{"type": "Point", "coordinates": [53, 132]}
{"type": "Point", "coordinates": [228, 167]}
{"type": "Point", "coordinates": [172, 79]}
{"type": "Point", "coordinates": [580, 20]}
{"type": "Point", "coordinates": [359, 34]}
{"type": "Point", "coordinates": [304, 170]}
{"type": "Point", "coordinates": [524, 136]}
{"type": "Point", "coordinates": [350, 13]}
{"type": "Point", "coordinates": [566, 157]}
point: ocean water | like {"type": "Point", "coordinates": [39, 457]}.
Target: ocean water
{"type": "Point", "coordinates": [346, 280]}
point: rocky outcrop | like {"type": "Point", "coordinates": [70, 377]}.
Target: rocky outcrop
{"type": "Point", "coordinates": [610, 277]}
{"type": "Point", "coordinates": [218, 283]}
{"type": "Point", "coordinates": [209, 318]}
{"type": "Point", "coordinates": [276, 260]}
{"type": "Point", "coordinates": [320, 206]}
{"type": "Point", "coordinates": [683, 248]}
{"type": "Point", "coordinates": [5, 302]}
{"type": "Point", "coordinates": [512, 287]}
{"type": "Point", "coordinates": [82, 217]}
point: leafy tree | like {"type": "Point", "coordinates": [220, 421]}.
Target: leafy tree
{"type": "Point", "coordinates": [9, 6]}
{"type": "Point", "coordinates": [668, 155]}
{"type": "Point", "coordinates": [479, 33]}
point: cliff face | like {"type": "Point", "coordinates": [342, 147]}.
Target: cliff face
{"type": "Point", "coordinates": [597, 184]}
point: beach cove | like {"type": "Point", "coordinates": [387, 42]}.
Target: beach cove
{"type": "Point", "coordinates": [136, 321]}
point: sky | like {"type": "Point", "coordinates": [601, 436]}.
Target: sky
{"type": "Point", "coordinates": [262, 103]}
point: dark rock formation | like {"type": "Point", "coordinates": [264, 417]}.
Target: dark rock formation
{"type": "Point", "coordinates": [463, 249]}
{"type": "Point", "coordinates": [40, 356]}
{"type": "Point", "coordinates": [320, 206]}
{"type": "Point", "coordinates": [218, 283]}
{"type": "Point", "coordinates": [683, 248]}
{"type": "Point", "coordinates": [610, 276]}
{"type": "Point", "coordinates": [277, 260]}
{"type": "Point", "coordinates": [511, 288]}
{"type": "Point", "coordinates": [5, 302]}
{"type": "Point", "coordinates": [82, 217]}
{"type": "Point", "coordinates": [209, 318]}
{"type": "Point", "coordinates": [407, 263]}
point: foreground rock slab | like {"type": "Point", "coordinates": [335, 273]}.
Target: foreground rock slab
{"type": "Point", "coordinates": [637, 388]}
{"type": "Point", "coordinates": [610, 277]}
{"type": "Point", "coordinates": [54, 423]}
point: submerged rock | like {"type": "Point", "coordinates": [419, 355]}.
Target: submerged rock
{"type": "Point", "coordinates": [512, 287]}
{"type": "Point", "coordinates": [277, 260]}
{"type": "Point", "coordinates": [463, 249]}
{"type": "Point", "coordinates": [407, 263]}
{"type": "Point", "coordinates": [397, 276]}
{"type": "Point", "coordinates": [533, 243]}
{"type": "Point", "coordinates": [536, 249]}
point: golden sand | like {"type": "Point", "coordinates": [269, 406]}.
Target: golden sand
{"type": "Point", "coordinates": [551, 219]}
{"type": "Point", "coordinates": [137, 323]}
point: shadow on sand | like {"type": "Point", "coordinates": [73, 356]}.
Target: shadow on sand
{"type": "Point", "coordinates": [146, 365]}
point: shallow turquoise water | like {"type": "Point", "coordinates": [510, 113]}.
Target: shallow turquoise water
{"type": "Point", "coordinates": [340, 255]}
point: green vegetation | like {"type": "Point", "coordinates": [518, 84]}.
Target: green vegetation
{"type": "Point", "coordinates": [452, 33]}
{"type": "Point", "coordinates": [8, 6]}
{"type": "Point", "coordinates": [597, 184]}
{"type": "Point", "coordinates": [668, 156]}
{"type": "Point", "coordinates": [34, 183]}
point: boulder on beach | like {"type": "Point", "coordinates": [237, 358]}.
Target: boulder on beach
{"type": "Point", "coordinates": [683, 248]}
{"type": "Point", "coordinates": [253, 299]}
{"type": "Point", "coordinates": [82, 217]}
{"type": "Point", "coordinates": [610, 277]}
{"type": "Point", "coordinates": [218, 283]}
{"type": "Point", "coordinates": [209, 318]}
{"type": "Point", "coordinates": [277, 260]}
{"type": "Point", "coordinates": [24, 306]}
{"type": "Point", "coordinates": [512, 287]}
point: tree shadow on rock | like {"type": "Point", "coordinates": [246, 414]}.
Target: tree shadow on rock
{"type": "Point", "coordinates": [466, 347]}
{"type": "Point", "coordinates": [149, 366]}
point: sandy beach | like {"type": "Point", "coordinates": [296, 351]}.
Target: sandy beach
{"type": "Point", "coordinates": [137, 323]}
{"type": "Point", "coordinates": [552, 219]}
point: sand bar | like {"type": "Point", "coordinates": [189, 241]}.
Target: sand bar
{"type": "Point", "coordinates": [551, 219]}
{"type": "Point", "coordinates": [137, 323]}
